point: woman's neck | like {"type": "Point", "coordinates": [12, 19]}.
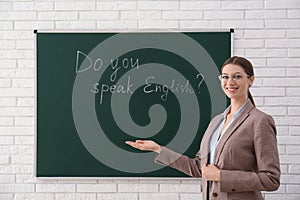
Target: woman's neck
{"type": "Point", "coordinates": [236, 104]}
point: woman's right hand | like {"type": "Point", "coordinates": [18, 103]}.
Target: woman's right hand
{"type": "Point", "coordinates": [145, 145]}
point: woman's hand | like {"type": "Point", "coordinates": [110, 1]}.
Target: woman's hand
{"type": "Point", "coordinates": [145, 145]}
{"type": "Point", "coordinates": [211, 173]}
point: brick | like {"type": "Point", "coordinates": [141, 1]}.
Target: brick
{"type": "Point", "coordinates": [7, 44]}
{"type": "Point", "coordinates": [265, 33]}
{"type": "Point", "coordinates": [267, 91]}
{"type": "Point", "coordinates": [274, 111]}
{"type": "Point", "coordinates": [24, 121]}
{"type": "Point", "coordinates": [223, 15]}
{"type": "Point", "coordinates": [20, 15]}
{"type": "Point", "coordinates": [96, 188]}
{"type": "Point", "coordinates": [23, 82]}
{"type": "Point", "coordinates": [200, 24]}
{"type": "Point", "coordinates": [25, 63]}
{"type": "Point", "coordinates": [117, 196]}
{"type": "Point", "coordinates": [257, 83]}
{"type": "Point", "coordinates": [117, 5]}
{"type": "Point", "coordinates": [10, 188]}
{"type": "Point", "coordinates": [7, 101]}
{"type": "Point", "coordinates": [4, 160]}
{"type": "Point", "coordinates": [265, 53]}
{"type": "Point", "coordinates": [244, 24]}
{"type": "Point", "coordinates": [258, 62]}
{"type": "Point", "coordinates": [22, 159]}
{"type": "Point", "coordinates": [293, 150]}
{"type": "Point", "coordinates": [265, 14]}
{"type": "Point", "coordinates": [293, 33]}
{"type": "Point", "coordinates": [25, 102]}
{"type": "Point", "coordinates": [5, 82]}
{"type": "Point", "coordinates": [282, 43]}
{"type": "Point", "coordinates": [158, 5]}
{"type": "Point", "coordinates": [282, 82]}
{"type": "Point", "coordinates": [282, 197]}
{"type": "Point", "coordinates": [6, 25]}
{"type": "Point", "coordinates": [33, 6]}
{"type": "Point", "coordinates": [269, 72]}
{"type": "Point", "coordinates": [288, 140]}
{"type": "Point", "coordinates": [191, 196]}
{"type": "Point", "coordinates": [295, 130]}
{"type": "Point", "coordinates": [249, 43]}
{"type": "Point", "coordinates": [15, 169]}
{"type": "Point", "coordinates": [5, 140]}
{"type": "Point", "coordinates": [16, 130]}
{"type": "Point", "coordinates": [7, 179]}
{"type": "Point", "coordinates": [282, 130]}
{"type": "Point", "coordinates": [259, 101]}
{"type": "Point", "coordinates": [289, 159]}
{"type": "Point", "coordinates": [158, 196]}
{"type": "Point", "coordinates": [247, 5]}
{"type": "Point", "coordinates": [279, 62]}
{"type": "Point", "coordinates": [138, 187]}
{"type": "Point", "coordinates": [180, 188]}
{"type": "Point", "coordinates": [292, 91]}
{"type": "Point", "coordinates": [24, 140]}
{"type": "Point", "coordinates": [6, 121]}
{"type": "Point", "coordinates": [16, 150]}
{"type": "Point", "coordinates": [200, 5]}
{"type": "Point", "coordinates": [75, 25]}
{"type": "Point", "coordinates": [180, 15]}
{"type": "Point", "coordinates": [75, 6]}
{"type": "Point", "coordinates": [146, 15]}
{"type": "Point", "coordinates": [287, 121]}
{"type": "Point", "coordinates": [294, 169]}
{"type": "Point", "coordinates": [294, 53]}
{"type": "Point", "coordinates": [282, 23]}
{"type": "Point", "coordinates": [65, 15]}
{"type": "Point", "coordinates": [16, 111]}
{"type": "Point", "coordinates": [8, 63]}
{"type": "Point", "coordinates": [25, 44]}
{"type": "Point", "coordinates": [294, 111]}
{"type": "Point", "coordinates": [6, 6]}
{"type": "Point", "coordinates": [16, 35]}
{"type": "Point", "coordinates": [281, 149]}
{"type": "Point", "coordinates": [158, 24]}
{"type": "Point", "coordinates": [271, 4]}
{"type": "Point", "coordinates": [293, 14]}
{"type": "Point", "coordinates": [283, 169]}
{"type": "Point", "coordinates": [290, 179]}
{"type": "Point", "coordinates": [117, 24]}
{"type": "Point", "coordinates": [16, 54]}
{"type": "Point", "coordinates": [98, 15]}
{"type": "Point", "coordinates": [292, 189]}
{"type": "Point", "coordinates": [55, 188]}
{"type": "Point", "coordinates": [30, 178]}
{"type": "Point", "coordinates": [32, 25]}
{"type": "Point", "coordinates": [33, 196]}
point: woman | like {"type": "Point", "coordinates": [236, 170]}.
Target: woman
{"type": "Point", "coordinates": [238, 156]}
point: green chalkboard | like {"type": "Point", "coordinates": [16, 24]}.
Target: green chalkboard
{"type": "Point", "coordinates": [97, 90]}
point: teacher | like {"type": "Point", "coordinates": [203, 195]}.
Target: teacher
{"type": "Point", "coordinates": [238, 156]}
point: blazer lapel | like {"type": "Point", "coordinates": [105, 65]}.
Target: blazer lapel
{"type": "Point", "coordinates": [235, 124]}
{"type": "Point", "coordinates": [205, 147]}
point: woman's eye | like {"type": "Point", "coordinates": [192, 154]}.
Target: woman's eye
{"type": "Point", "coordinates": [225, 77]}
{"type": "Point", "coordinates": [237, 77]}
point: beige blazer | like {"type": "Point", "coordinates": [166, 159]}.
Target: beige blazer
{"type": "Point", "coordinates": [246, 154]}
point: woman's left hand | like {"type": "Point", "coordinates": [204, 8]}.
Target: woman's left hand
{"type": "Point", "coordinates": [211, 173]}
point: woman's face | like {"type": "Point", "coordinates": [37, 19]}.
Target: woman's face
{"type": "Point", "coordinates": [235, 82]}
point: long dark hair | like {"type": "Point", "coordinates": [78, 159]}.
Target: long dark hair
{"type": "Point", "coordinates": [246, 65]}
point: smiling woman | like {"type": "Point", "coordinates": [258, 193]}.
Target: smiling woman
{"type": "Point", "coordinates": [238, 156]}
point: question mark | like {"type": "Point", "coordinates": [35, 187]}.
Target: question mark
{"type": "Point", "coordinates": [202, 79]}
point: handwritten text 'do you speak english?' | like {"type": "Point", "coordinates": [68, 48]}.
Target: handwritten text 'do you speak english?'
{"type": "Point", "coordinates": [150, 84]}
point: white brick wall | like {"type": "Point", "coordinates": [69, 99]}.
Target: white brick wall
{"type": "Point", "coordinates": [266, 31]}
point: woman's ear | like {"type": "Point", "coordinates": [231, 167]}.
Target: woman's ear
{"type": "Point", "coordinates": [251, 81]}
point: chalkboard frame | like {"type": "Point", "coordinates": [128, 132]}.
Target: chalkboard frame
{"type": "Point", "coordinates": [231, 31]}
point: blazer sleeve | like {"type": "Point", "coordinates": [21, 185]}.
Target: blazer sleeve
{"type": "Point", "coordinates": [267, 175]}
{"type": "Point", "coordinates": [189, 166]}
